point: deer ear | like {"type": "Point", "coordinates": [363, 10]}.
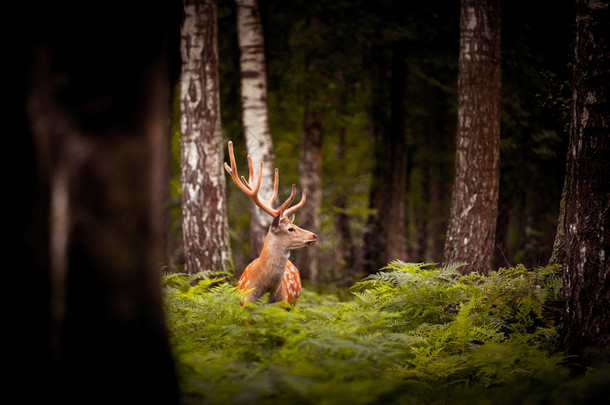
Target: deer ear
{"type": "Point", "coordinates": [291, 219]}
{"type": "Point", "coordinates": [275, 225]}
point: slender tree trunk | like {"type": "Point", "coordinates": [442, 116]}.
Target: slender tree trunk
{"type": "Point", "coordinates": [254, 111]}
{"type": "Point", "coordinates": [423, 220]}
{"type": "Point", "coordinates": [385, 240]}
{"type": "Point", "coordinates": [558, 255]}
{"type": "Point", "coordinates": [586, 272]}
{"type": "Point", "coordinates": [310, 178]}
{"type": "Point", "coordinates": [345, 255]}
{"type": "Point", "coordinates": [205, 226]}
{"type": "Point", "coordinates": [438, 211]}
{"type": "Point", "coordinates": [95, 125]}
{"type": "Point", "coordinates": [472, 223]}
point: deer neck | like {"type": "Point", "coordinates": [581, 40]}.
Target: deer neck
{"type": "Point", "coordinates": [272, 262]}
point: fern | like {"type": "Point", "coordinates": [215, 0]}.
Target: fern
{"type": "Point", "coordinates": [412, 333]}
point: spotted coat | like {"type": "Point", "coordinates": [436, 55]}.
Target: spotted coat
{"type": "Point", "coordinates": [289, 290]}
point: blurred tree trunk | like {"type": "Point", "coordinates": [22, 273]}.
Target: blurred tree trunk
{"type": "Point", "coordinates": [438, 207]}
{"type": "Point", "coordinates": [345, 256]}
{"type": "Point", "coordinates": [255, 118]}
{"type": "Point", "coordinates": [205, 225]}
{"type": "Point", "coordinates": [586, 272]}
{"type": "Point", "coordinates": [385, 240]}
{"type": "Point", "coordinates": [310, 177]}
{"type": "Point", "coordinates": [472, 224]}
{"type": "Point", "coordinates": [93, 128]}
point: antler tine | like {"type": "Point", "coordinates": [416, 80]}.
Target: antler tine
{"type": "Point", "coordinates": [275, 186]}
{"type": "Point", "coordinates": [248, 187]}
{"type": "Point", "coordinates": [295, 207]}
{"type": "Point", "coordinates": [251, 171]}
{"type": "Point", "coordinates": [242, 184]}
{"type": "Point", "coordinates": [286, 203]}
{"type": "Point", "coordinates": [233, 169]}
{"type": "Point", "coordinates": [248, 183]}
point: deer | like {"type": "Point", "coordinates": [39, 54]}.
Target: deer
{"type": "Point", "coordinates": [272, 272]}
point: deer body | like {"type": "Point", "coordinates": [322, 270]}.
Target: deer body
{"type": "Point", "coordinates": [272, 272]}
{"type": "Point", "coordinates": [282, 283]}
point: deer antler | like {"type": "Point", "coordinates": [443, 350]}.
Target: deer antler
{"type": "Point", "coordinates": [251, 189]}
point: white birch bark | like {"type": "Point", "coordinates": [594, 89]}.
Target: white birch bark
{"type": "Point", "coordinates": [254, 110]}
{"type": "Point", "coordinates": [205, 225]}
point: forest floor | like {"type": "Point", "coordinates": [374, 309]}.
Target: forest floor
{"type": "Point", "coordinates": [412, 334]}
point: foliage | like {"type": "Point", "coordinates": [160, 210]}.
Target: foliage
{"type": "Point", "coordinates": [413, 333]}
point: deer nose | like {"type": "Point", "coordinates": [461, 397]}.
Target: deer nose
{"type": "Point", "coordinates": [315, 239]}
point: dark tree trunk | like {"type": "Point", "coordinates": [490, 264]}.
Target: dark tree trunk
{"type": "Point", "coordinates": [205, 224]}
{"type": "Point", "coordinates": [385, 240]}
{"type": "Point", "coordinates": [586, 271]}
{"type": "Point", "coordinates": [438, 206]}
{"type": "Point", "coordinates": [345, 255]}
{"type": "Point", "coordinates": [310, 178]}
{"type": "Point", "coordinates": [93, 125]}
{"type": "Point", "coordinates": [472, 224]}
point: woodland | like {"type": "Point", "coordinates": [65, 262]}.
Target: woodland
{"type": "Point", "coordinates": [460, 191]}
{"type": "Point", "coordinates": [341, 68]}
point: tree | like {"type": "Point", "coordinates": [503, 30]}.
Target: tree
{"type": "Point", "coordinates": [586, 220]}
{"type": "Point", "coordinates": [385, 240]}
{"type": "Point", "coordinates": [91, 245]}
{"type": "Point", "coordinates": [205, 225]}
{"type": "Point", "coordinates": [472, 224]}
{"type": "Point", "coordinates": [312, 134]}
{"type": "Point", "coordinates": [310, 178]}
{"type": "Point", "coordinates": [255, 119]}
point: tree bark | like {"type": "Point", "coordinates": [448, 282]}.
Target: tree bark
{"type": "Point", "coordinates": [385, 240]}
{"type": "Point", "coordinates": [310, 177]}
{"type": "Point", "coordinates": [94, 124]}
{"type": "Point", "coordinates": [255, 119]}
{"type": "Point", "coordinates": [558, 254]}
{"type": "Point", "coordinates": [586, 272]}
{"type": "Point", "coordinates": [205, 225]}
{"type": "Point", "coordinates": [472, 224]}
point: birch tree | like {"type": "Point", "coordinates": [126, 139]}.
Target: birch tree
{"type": "Point", "coordinates": [205, 225]}
{"type": "Point", "coordinates": [472, 223]}
{"type": "Point", "coordinates": [255, 119]}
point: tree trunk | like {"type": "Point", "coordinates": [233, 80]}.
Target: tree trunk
{"type": "Point", "coordinates": [95, 124]}
{"type": "Point", "coordinates": [385, 240]}
{"type": "Point", "coordinates": [586, 272]}
{"type": "Point", "coordinates": [558, 255]}
{"type": "Point", "coordinates": [345, 255]}
{"type": "Point", "coordinates": [255, 118]}
{"type": "Point", "coordinates": [310, 177]}
{"type": "Point", "coordinates": [205, 225]}
{"type": "Point", "coordinates": [474, 206]}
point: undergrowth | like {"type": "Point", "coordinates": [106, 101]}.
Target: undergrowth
{"type": "Point", "coordinates": [410, 334]}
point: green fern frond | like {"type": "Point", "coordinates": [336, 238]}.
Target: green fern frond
{"type": "Point", "coordinates": [412, 333]}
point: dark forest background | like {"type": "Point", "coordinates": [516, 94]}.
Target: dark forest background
{"type": "Point", "coordinates": [337, 50]}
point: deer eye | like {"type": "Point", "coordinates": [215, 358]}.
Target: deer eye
{"type": "Point", "coordinates": [291, 229]}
